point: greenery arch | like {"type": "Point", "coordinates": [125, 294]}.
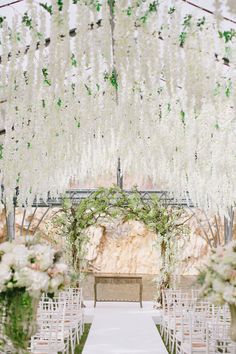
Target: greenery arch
{"type": "Point", "coordinates": [112, 203]}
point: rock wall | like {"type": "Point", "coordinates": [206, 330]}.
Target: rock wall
{"type": "Point", "coordinates": [128, 249]}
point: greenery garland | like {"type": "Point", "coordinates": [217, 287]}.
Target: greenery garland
{"type": "Point", "coordinates": [110, 203]}
{"type": "Point", "coordinates": [17, 319]}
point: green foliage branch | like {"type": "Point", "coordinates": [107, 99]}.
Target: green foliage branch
{"type": "Point", "coordinates": [18, 312]}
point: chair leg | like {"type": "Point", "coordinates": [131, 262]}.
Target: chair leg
{"type": "Point", "coordinates": [78, 333]}
{"type": "Point", "coordinates": [72, 343]}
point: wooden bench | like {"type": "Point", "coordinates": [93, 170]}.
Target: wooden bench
{"type": "Point", "coordinates": [118, 279]}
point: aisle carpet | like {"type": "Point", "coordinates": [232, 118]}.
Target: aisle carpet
{"type": "Point", "coordinates": [123, 328]}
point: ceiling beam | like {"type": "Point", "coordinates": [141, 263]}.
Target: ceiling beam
{"type": "Point", "coordinates": [11, 3]}
{"type": "Point", "coordinates": [207, 10]}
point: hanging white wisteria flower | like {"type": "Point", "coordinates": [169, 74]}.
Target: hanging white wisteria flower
{"type": "Point", "coordinates": [137, 81]}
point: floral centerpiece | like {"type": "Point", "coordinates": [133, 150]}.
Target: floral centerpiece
{"type": "Point", "coordinates": [26, 271]}
{"type": "Point", "coordinates": [218, 280]}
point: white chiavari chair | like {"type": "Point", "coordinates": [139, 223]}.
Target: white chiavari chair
{"type": "Point", "coordinates": [219, 340]}
{"type": "Point", "coordinates": [191, 338]}
{"type": "Point", "coordinates": [50, 337]}
{"type": "Point", "coordinates": [74, 316]}
{"type": "Point", "coordinates": [188, 324]}
{"type": "Point", "coordinates": [78, 310]}
{"type": "Point", "coordinates": [176, 301]}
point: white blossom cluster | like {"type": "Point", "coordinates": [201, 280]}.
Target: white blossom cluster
{"type": "Point", "coordinates": [35, 268]}
{"type": "Point", "coordinates": [126, 88]}
{"type": "Point", "coordinates": [220, 275]}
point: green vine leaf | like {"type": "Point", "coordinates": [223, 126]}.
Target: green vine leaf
{"type": "Point", "coordinates": [153, 6]}
{"type": "Point", "coordinates": [60, 4]}
{"type": "Point", "coordinates": [112, 78]}
{"type": "Point", "coordinates": [186, 25]}
{"type": "Point", "coordinates": [18, 36]}
{"type": "Point", "coordinates": [201, 22]}
{"type": "Point", "coordinates": [1, 151]}
{"type": "Point", "coordinates": [27, 20]}
{"type": "Point", "coordinates": [182, 39]}
{"type": "Point", "coordinates": [98, 6]}
{"type": "Point", "coordinates": [171, 10]}
{"type": "Point", "coordinates": [2, 19]}
{"type": "Point", "coordinates": [227, 35]}
{"type": "Point", "coordinates": [182, 117]}
{"type": "Point", "coordinates": [187, 21]}
{"type": "Point", "coordinates": [73, 60]}
{"type": "Point", "coordinates": [111, 3]}
{"type": "Point", "coordinates": [46, 7]}
{"type": "Point", "coordinates": [59, 102]}
{"type": "Point", "coordinates": [45, 75]}
{"type": "Point", "coordinates": [129, 11]}
{"type": "Point", "coordinates": [144, 18]}
{"type": "Point", "coordinates": [228, 88]}
{"type": "Point", "coordinates": [217, 89]}
{"type": "Point", "coordinates": [88, 90]}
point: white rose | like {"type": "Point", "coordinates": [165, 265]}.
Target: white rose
{"type": "Point", "coordinates": [218, 286]}
{"type": "Point", "coordinates": [224, 270]}
{"type": "Point", "coordinates": [39, 283]}
{"type": "Point", "coordinates": [60, 268]}
{"type": "Point", "coordinates": [229, 294]}
{"type": "Point", "coordinates": [56, 282]}
{"type": "Point", "coordinates": [230, 258]}
{"type": "Point", "coordinates": [44, 256]}
{"type": "Point", "coordinates": [8, 259]}
{"type": "Point", "coordinates": [5, 276]}
{"type": "Point", "coordinates": [216, 299]}
{"type": "Point", "coordinates": [230, 246]}
{"type": "Point", "coordinates": [18, 258]}
{"type": "Point", "coordinates": [6, 247]}
{"type": "Point", "coordinates": [23, 277]}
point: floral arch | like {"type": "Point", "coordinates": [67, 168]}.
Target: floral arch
{"type": "Point", "coordinates": [109, 203]}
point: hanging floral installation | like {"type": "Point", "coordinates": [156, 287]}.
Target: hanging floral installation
{"type": "Point", "coordinates": [135, 80]}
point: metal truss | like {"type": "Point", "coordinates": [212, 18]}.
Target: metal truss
{"type": "Point", "coordinates": [76, 195]}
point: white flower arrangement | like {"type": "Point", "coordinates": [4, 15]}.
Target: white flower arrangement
{"type": "Point", "coordinates": [218, 278]}
{"type": "Point", "coordinates": [37, 268]}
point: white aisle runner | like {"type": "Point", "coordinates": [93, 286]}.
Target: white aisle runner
{"type": "Point", "coordinates": [123, 328]}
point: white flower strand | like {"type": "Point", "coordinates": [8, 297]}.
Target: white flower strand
{"type": "Point", "coordinates": [173, 123]}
